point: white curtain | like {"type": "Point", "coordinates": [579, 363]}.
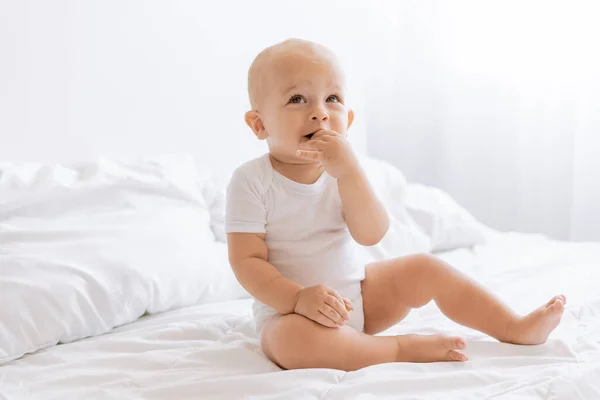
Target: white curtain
{"type": "Point", "coordinates": [495, 102]}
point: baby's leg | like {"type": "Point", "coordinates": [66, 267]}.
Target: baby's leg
{"type": "Point", "coordinates": [293, 341]}
{"type": "Point", "coordinates": [413, 281]}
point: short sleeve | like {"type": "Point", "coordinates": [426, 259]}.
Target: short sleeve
{"type": "Point", "coordinates": [245, 209]}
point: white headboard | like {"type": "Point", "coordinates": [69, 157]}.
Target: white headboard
{"type": "Point", "coordinates": [81, 79]}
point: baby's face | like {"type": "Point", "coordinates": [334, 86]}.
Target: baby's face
{"type": "Point", "coordinates": [301, 94]}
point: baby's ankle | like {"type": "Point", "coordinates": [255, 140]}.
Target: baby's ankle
{"type": "Point", "coordinates": [399, 351]}
{"type": "Point", "coordinates": [512, 332]}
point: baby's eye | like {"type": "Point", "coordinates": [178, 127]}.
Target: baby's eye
{"type": "Point", "coordinates": [297, 99]}
{"type": "Point", "coordinates": [333, 98]}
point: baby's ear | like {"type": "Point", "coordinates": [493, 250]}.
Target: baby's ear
{"type": "Point", "coordinates": [255, 123]}
{"type": "Point", "coordinates": [350, 118]}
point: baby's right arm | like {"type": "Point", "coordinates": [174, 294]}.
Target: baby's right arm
{"type": "Point", "coordinates": [248, 257]}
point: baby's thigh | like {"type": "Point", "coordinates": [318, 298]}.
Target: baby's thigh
{"type": "Point", "coordinates": [293, 341]}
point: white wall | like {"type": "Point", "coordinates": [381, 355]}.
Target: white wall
{"type": "Point", "coordinates": [82, 78]}
{"type": "Point", "coordinates": [497, 103]}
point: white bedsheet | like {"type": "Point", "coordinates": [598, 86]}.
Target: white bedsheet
{"type": "Point", "coordinates": [210, 351]}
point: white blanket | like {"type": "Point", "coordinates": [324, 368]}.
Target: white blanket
{"type": "Point", "coordinates": [210, 351]}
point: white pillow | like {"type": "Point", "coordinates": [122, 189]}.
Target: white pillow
{"type": "Point", "coordinates": [444, 221]}
{"type": "Point", "coordinates": [422, 218]}
{"type": "Point", "coordinates": [214, 190]}
{"type": "Point", "coordinates": [404, 235]}
{"type": "Point", "coordinates": [87, 247]}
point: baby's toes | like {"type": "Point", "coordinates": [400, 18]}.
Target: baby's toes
{"type": "Point", "coordinates": [454, 343]}
{"type": "Point", "coordinates": [560, 298]}
{"type": "Point", "coordinates": [454, 355]}
{"type": "Point", "coordinates": [557, 307]}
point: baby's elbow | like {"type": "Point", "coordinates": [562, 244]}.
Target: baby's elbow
{"type": "Point", "coordinates": [375, 236]}
{"type": "Point", "coordinates": [370, 240]}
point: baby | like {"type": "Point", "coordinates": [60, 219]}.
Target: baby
{"type": "Point", "coordinates": [296, 215]}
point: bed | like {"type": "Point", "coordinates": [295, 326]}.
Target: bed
{"type": "Point", "coordinates": [108, 321]}
{"type": "Point", "coordinates": [211, 350]}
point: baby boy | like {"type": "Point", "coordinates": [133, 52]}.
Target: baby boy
{"type": "Point", "coordinates": [296, 215]}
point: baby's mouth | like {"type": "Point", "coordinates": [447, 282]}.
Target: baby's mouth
{"type": "Point", "coordinates": [309, 136]}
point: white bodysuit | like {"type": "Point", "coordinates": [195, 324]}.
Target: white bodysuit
{"type": "Point", "coordinates": [305, 231]}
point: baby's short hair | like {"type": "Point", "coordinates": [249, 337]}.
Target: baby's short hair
{"type": "Point", "coordinates": [262, 60]}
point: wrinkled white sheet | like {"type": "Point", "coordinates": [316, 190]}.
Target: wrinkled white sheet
{"type": "Point", "coordinates": [210, 351]}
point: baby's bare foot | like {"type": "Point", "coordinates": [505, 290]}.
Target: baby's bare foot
{"type": "Point", "coordinates": [535, 327]}
{"type": "Point", "coordinates": [430, 348]}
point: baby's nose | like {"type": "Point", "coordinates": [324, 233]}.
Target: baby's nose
{"type": "Point", "coordinates": [319, 115]}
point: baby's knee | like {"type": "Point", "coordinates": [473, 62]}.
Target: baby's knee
{"type": "Point", "coordinates": [423, 271]}
{"type": "Point", "coordinates": [420, 266]}
{"type": "Point", "coordinates": [430, 266]}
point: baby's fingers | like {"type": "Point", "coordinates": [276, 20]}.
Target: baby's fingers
{"type": "Point", "coordinates": [338, 305]}
{"type": "Point", "coordinates": [310, 154]}
{"type": "Point", "coordinates": [314, 144]}
{"type": "Point", "coordinates": [343, 301]}
{"type": "Point", "coordinates": [324, 320]}
{"type": "Point", "coordinates": [348, 304]}
{"type": "Point", "coordinates": [333, 314]}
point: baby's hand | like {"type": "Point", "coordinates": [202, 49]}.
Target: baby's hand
{"type": "Point", "coordinates": [332, 150]}
{"type": "Point", "coordinates": [323, 305]}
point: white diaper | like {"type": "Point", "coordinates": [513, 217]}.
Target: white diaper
{"type": "Point", "coordinates": [352, 292]}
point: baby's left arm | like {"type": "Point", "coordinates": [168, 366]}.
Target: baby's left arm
{"type": "Point", "coordinates": [366, 217]}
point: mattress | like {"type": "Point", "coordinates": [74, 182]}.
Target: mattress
{"type": "Point", "coordinates": [211, 351]}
